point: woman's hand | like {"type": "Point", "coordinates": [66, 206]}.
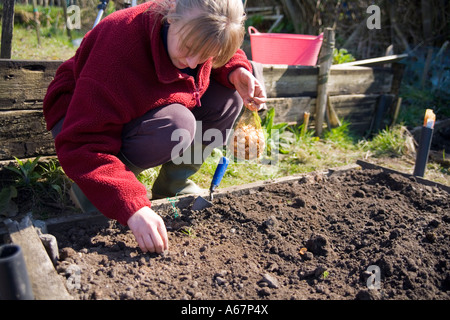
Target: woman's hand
{"type": "Point", "coordinates": [249, 88]}
{"type": "Point", "coordinates": [149, 230]}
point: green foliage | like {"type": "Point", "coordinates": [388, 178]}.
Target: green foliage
{"type": "Point", "coordinates": [37, 185]}
{"type": "Point", "coordinates": [340, 135]}
{"type": "Point", "coordinates": [147, 177]}
{"type": "Point", "coordinates": [416, 101]}
{"type": "Point", "coordinates": [392, 142]}
{"type": "Point", "coordinates": [27, 176]}
{"type": "Point", "coordinates": [189, 231]}
{"type": "Point", "coordinates": [254, 20]}
{"type": "Point", "coordinates": [54, 41]}
{"type": "Point", "coordinates": [342, 56]}
{"type": "Point", "coordinates": [272, 132]}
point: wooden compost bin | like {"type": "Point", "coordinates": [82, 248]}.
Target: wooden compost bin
{"type": "Point", "coordinates": [362, 95]}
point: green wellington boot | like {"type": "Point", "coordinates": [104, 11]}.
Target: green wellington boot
{"type": "Point", "coordinates": [80, 200]}
{"type": "Point", "coordinates": [173, 178]}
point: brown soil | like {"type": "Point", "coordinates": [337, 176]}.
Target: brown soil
{"type": "Point", "coordinates": [251, 246]}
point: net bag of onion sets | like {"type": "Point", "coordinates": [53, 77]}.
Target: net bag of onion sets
{"type": "Point", "coordinates": [248, 140]}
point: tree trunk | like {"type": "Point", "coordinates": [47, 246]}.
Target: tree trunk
{"type": "Point", "coordinates": [7, 29]}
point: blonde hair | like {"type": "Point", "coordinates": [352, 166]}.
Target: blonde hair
{"type": "Point", "coordinates": [216, 31]}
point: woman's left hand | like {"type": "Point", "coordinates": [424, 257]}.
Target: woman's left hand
{"type": "Point", "coordinates": [249, 88]}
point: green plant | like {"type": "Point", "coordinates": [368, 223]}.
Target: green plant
{"type": "Point", "coordinates": [27, 176]}
{"type": "Point", "coordinates": [174, 207]}
{"type": "Point", "coordinates": [416, 100]}
{"type": "Point", "coordinates": [148, 177]}
{"type": "Point", "coordinates": [301, 134]}
{"type": "Point", "coordinates": [391, 142]}
{"type": "Point", "coordinates": [189, 232]}
{"type": "Point", "coordinates": [255, 20]}
{"type": "Point", "coordinates": [273, 132]}
{"type": "Point", "coordinates": [342, 56]}
{"type": "Point", "coordinates": [35, 187]}
{"type": "Point", "coordinates": [340, 135]}
{"type": "Point", "coordinates": [55, 184]}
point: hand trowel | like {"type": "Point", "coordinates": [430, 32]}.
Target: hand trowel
{"type": "Point", "coordinates": [200, 202]}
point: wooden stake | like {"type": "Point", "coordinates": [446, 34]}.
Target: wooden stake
{"type": "Point", "coordinates": [305, 123]}
{"type": "Point", "coordinates": [332, 115]}
{"type": "Point", "coordinates": [7, 29]}
{"type": "Point", "coordinates": [38, 23]}
{"type": "Point", "coordinates": [396, 111]}
{"type": "Point", "coordinates": [325, 62]}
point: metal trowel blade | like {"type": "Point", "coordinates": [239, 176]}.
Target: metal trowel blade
{"type": "Point", "coordinates": [201, 203]}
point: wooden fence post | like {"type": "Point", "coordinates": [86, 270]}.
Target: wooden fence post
{"type": "Point", "coordinates": [37, 22]}
{"type": "Point", "coordinates": [325, 62]}
{"type": "Point", "coordinates": [69, 32]}
{"type": "Point", "coordinates": [7, 29]}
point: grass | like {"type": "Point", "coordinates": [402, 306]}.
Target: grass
{"type": "Point", "coordinates": [54, 41]}
{"type": "Point", "coordinates": [390, 142]}
{"type": "Point", "coordinates": [301, 151]}
{"type": "Point", "coordinates": [52, 47]}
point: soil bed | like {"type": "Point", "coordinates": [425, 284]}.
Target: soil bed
{"type": "Point", "coordinates": [250, 246]}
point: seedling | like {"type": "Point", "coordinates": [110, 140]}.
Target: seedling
{"type": "Point", "coordinates": [189, 232]}
{"type": "Point", "coordinates": [174, 207]}
{"type": "Point", "coordinates": [325, 275]}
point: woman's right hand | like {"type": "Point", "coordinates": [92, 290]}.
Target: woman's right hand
{"type": "Point", "coordinates": [149, 230]}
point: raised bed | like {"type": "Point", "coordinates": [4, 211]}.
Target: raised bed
{"type": "Point", "coordinates": [339, 234]}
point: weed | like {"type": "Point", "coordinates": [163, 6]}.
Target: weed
{"type": "Point", "coordinates": [35, 187]}
{"type": "Point", "coordinates": [25, 181]}
{"type": "Point", "coordinates": [342, 56]}
{"type": "Point", "coordinates": [27, 176]}
{"type": "Point", "coordinates": [340, 136]}
{"type": "Point", "coordinates": [325, 275]}
{"type": "Point", "coordinates": [189, 232]}
{"type": "Point", "coordinates": [301, 133]}
{"type": "Point", "coordinates": [55, 184]}
{"type": "Point", "coordinates": [392, 142]}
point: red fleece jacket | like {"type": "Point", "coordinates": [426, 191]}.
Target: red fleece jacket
{"type": "Point", "coordinates": [120, 72]}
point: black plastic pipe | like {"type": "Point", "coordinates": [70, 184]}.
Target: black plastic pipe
{"type": "Point", "coordinates": [422, 152]}
{"type": "Point", "coordinates": [14, 281]}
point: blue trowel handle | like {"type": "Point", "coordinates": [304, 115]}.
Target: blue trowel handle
{"type": "Point", "coordinates": [218, 175]}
